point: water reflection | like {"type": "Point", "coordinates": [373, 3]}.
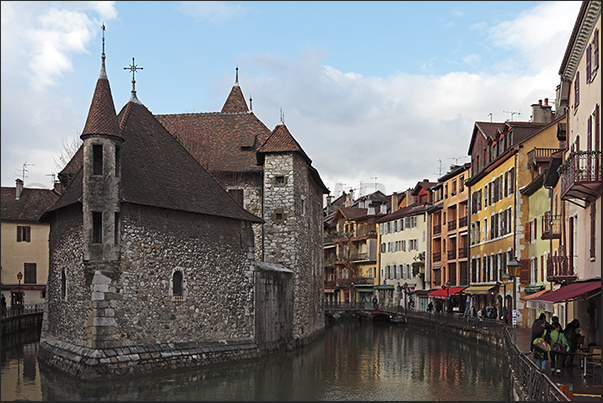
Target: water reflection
{"type": "Point", "coordinates": [353, 361]}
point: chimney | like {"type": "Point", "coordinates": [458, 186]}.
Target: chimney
{"type": "Point", "coordinates": [542, 113]}
{"type": "Point", "coordinates": [395, 201]}
{"type": "Point", "coordinates": [19, 189]}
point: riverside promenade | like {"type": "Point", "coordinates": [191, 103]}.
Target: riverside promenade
{"type": "Point", "coordinates": [583, 389]}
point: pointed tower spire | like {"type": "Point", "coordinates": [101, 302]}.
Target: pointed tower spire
{"type": "Point", "coordinates": [250, 105]}
{"type": "Point", "coordinates": [103, 73]}
{"type": "Point", "coordinates": [133, 68]}
{"type": "Point", "coordinates": [102, 119]}
{"type": "Point", "coordinates": [235, 103]}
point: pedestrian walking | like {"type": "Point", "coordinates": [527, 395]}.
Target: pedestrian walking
{"type": "Point", "coordinates": [537, 327]}
{"type": "Point", "coordinates": [3, 305]}
{"type": "Point", "coordinates": [557, 358]}
{"type": "Point", "coordinates": [540, 356]}
{"type": "Point", "coordinates": [572, 333]}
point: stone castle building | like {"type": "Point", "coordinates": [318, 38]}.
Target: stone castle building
{"type": "Point", "coordinates": [161, 259]}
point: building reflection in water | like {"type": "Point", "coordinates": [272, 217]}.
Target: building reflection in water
{"type": "Point", "coordinates": [353, 361]}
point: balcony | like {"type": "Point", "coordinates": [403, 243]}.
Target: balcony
{"type": "Point", "coordinates": [452, 225]}
{"type": "Point", "coordinates": [452, 254]}
{"type": "Point", "coordinates": [462, 222]}
{"type": "Point", "coordinates": [330, 284]}
{"type": "Point", "coordinates": [437, 229]}
{"type": "Point", "coordinates": [581, 176]}
{"type": "Point", "coordinates": [538, 155]}
{"type": "Point", "coordinates": [551, 226]}
{"type": "Point", "coordinates": [462, 253]}
{"type": "Point", "coordinates": [560, 268]}
{"type": "Point", "coordinates": [361, 257]}
{"type": "Point", "coordinates": [437, 256]}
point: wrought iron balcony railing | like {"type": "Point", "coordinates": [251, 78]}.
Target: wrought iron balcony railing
{"type": "Point", "coordinates": [437, 229]}
{"type": "Point", "coordinates": [581, 177]}
{"type": "Point", "coordinates": [437, 256]}
{"type": "Point", "coordinates": [462, 222]}
{"type": "Point", "coordinates": [560, 268]}
{"type": "Point", "coordinates": [551, 226]}
{"type": "Point", "coordinates": [451, 225]}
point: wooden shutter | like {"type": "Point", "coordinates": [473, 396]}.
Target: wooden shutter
{"type": "Point", "coordinates": [588, 63]}
{"type": "Point", "coordinates": [528, 237]}
{"type": "Point", "coordinates": [525, 271]}
{"type": "Point", "coordinates": [577, 90]}
{"type": "Point", "coordinates": [596, 49]}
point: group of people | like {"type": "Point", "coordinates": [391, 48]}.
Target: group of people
{"type": "Point", "coordinates": [552, 333]}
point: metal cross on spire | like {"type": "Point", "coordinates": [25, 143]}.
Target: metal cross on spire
{"type": "Point", "coordinates": [133, 68]}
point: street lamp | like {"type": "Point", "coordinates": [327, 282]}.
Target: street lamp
{"type": "Point", "coordinates": [19, 277]}
{"type": "Point", "coordinates": [505, 280]}
{"type": "Point", "coordinates": [447, 288]}
{"type": "Point", "coordinates": [405, 295]}
{"type": "Point", "coordinates": [514, 271]}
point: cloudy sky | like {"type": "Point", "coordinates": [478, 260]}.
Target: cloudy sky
{"type": "Point", "coordinates": [375, 92]}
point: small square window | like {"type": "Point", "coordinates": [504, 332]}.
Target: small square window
{"type": "Point", "coordinates": [280, 180]}
{"type": "Point", "coordinates": [279, 216]}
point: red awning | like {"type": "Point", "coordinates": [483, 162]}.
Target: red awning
{"type": "Point", "coordinates": [535, 295]}
{"type": "Point", "coordinates": [440, 293]}
{"type": "Point", "coordinates": [569, 291]}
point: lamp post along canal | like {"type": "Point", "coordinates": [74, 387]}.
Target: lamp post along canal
{"type": "Point", "coordinates": [505, 280]}
{"type": "Point", "coordinates": [405, 286]}
{"type": "Point", "coordinates": [19, 277]}
{"type": "Point", "coordinates": [514, 271]}
{"type": "Point", "coordinates": [447, 288]}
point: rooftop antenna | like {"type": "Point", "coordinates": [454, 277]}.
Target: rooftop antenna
{"type": "Point", "coordinates": [490, 114]}
{"type": "Point", "coordinates": [25, 165]}
{"type": "Point", "coordinates": [282, 117]}
{"type": "Point", "coordinates": [512, 113]}
{"type": "Point", "coordinates": [440, 168]}
{"type": "Point", "coordinates": [456, 159]}
{"type": "Point", "coordinates": [133, 68]}
{"type": "Point", "coordinates": [54, 179]}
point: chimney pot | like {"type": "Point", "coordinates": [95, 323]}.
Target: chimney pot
{"type": "Point", "coordinates": [18, 189]}
{"type": "Point", "coordinates": [546, 101]}
{"type": "Point", "coordinates": [540, 102]}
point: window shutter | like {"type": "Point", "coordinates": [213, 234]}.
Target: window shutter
{"type": "Point", "coordinates": [525, 271]}
{"type": "Point", "coordinates": [589, 133]}
{"type": "Point", "coordinates": [596, 49]}
{"type": "Point", "coordinates": [19, 231]}
{"type": "Point", "coordinates": [588, 63]}
{"type": "Point", "coordinates": [527, 232]}
{"type": "Point", "coordinates": [577, 90]}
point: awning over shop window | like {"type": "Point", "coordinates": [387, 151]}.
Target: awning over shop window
{"type": "Point", "coordinates": [535, 295]}
{"type": "Point", "coordinates": [479, 289]}
{"type": "Point", "coordinates": [533, 288]}
{"type": "Point", "coordinates": [440, 293]}
{"type": "Point", "coordinates": [570, 291]}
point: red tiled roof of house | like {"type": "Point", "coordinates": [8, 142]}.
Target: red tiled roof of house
{"type": "Point", "coordinates": [31, 204]}
{"type": "Point", "coordinates": [219, 141]}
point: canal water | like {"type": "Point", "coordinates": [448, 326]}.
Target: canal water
{"type": "Point", "coordinates": [353, 361]}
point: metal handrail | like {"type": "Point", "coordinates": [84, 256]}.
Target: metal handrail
{"type": "Point", "coordinates": [20, 310]}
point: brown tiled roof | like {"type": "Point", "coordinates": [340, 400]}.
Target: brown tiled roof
{"type": "Point", "coordinates": [280, 141]}
{"type": "Point", "coordinates": [31, 204]}
{"type": "Point", "coordinates": [157, 171]}
{"type": "Point", "coordinates": [74, 165]}
{"type": "Point", "coordinates": [219, 141]}
{"type": "Point", "coordinates": [488, 129]}
{"type": "Point", "coordinates": [235, 103]}
{"type": "Point", "coordinates": [350, 213]}
{"type": "Point", "coordinates": [101, 116]}
{"type": "Point", "coordinates": [409, 210]}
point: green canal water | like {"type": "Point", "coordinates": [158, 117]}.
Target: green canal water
{"type": "Point", "coordinates": [352, 361]}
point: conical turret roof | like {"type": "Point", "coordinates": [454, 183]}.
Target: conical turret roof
{"type": "Point", "coordinates": [235, 103]}
{"type": "Point", "coordinates": [102, 119]}
{"type": "Point", "coordinates": [281, 141]}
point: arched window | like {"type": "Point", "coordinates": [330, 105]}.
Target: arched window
{"type": "Point", "coordinates": [177, 284]}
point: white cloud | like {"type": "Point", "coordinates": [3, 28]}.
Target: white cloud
{"type": "Point", "coordinates": [39, 40]}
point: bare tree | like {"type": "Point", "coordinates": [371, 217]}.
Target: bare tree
{"type": "Point", "coordinates": [67, 150]}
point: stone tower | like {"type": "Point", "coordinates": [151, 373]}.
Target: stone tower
{"type": "Point", "coordinates": [293, 226]}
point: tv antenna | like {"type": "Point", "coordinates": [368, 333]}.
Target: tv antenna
{"type": "Point", "coordinates": [440, 168]}
{"type": "Point", "coordinates": [24, 170]}
{"type": "Point", "coordinates": [490, 114]}
{"type": "Point", "coordinates": [456, 159]}
{"type": "Point", "coordinates": [512, 113]}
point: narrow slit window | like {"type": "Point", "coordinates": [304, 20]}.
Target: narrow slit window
{"type": "Point", "coordinates": [116, 240]}
{"type": "Point", "coordinates": [97, 227]}
{"type": "Point", "coordinates": [177, 284]}
{"type": "Point", "coordinates": [97, 159]}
